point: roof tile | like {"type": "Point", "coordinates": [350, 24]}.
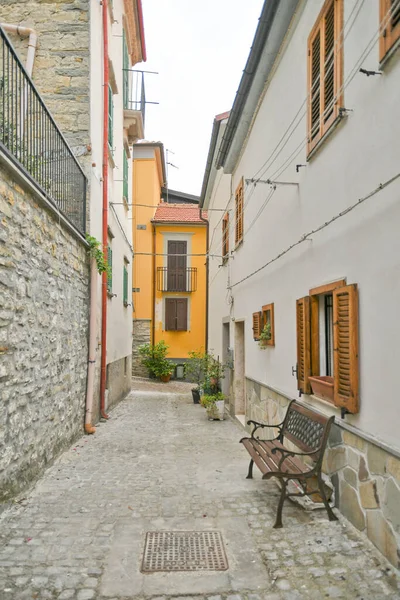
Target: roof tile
{"type": "Point", "coordinates": [178, 213]}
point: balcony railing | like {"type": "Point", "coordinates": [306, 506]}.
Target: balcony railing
{"type": "Point", "coordinates": [31, 139]}
{"type": "Point", "coordinates": [134, 91]}
{"type": "Point", "coordinates": [176, 280]}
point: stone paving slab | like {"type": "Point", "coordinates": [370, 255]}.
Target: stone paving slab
{"type": "Point", "coordinates": [159, 462]}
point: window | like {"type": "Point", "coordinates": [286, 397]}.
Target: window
{"type": "Point", "coordinates": [239, 213]}
{"type": "Point", "coordinates": [125, 67]}
{"type": "Point", "coordinates": [176, 310]}
{"type": "Point", "coordinates": [268, 320]}
{"type": "Point", "coordinates": [225, 236]}
{"type": "Point", "coordinates": [125, 188]}
{"type": "Point", "coordinates": [109, 262]}
{"type": "Point", "coordinates": [327, 344]}
{"type": "Point", "coordinates": [325, 72]}
{"type": "Point", "coordinates": [125, 283]}
{"type": "Point", "coordinates": [176, 266]}
{"type": "Point", "coordinates": [389, 17]}
{"type": "Point", "coordinates": [257, 325]}
{"type": "Point", "coordinates": [110, 118]}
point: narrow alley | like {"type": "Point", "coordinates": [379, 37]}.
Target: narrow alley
{"type": "Point", "coordinates": [158, 464]}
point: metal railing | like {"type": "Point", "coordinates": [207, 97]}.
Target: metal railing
{"type": "Point", "coordinates": [177, 280]}
{"type": "Point", "coordinates": [30, 138]}
{"type": "Point", "coordinates": [134, 91]}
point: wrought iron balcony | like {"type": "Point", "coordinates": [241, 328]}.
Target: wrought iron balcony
{"type": "Point", "coordinates": [31, 139]}
{"type": "Point", "coordinates": [177, 280]}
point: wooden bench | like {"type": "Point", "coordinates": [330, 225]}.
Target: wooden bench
{"type": "Point", "coordinates": [309, 432]}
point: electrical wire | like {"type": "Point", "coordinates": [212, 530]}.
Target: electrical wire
{"type": "Point", "coordinates": [348, 80]}
{"type": "Point", "coordinates": [305, 237]}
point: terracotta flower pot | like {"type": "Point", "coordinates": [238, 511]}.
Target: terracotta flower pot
{"type": "Point", "coordinates": [165, 378]}
{"type": "Point", "coordinates": [322, 386]}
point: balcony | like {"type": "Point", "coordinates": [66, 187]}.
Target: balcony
{"type": "Point", "coordinates": [30, 139]}
{"type": "Point", "coordinates": [134, 105]}
{"type": "Point", "coordinates": [177, 280]}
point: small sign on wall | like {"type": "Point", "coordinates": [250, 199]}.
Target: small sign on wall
{"type": "Point", "coordinates": [141, 226]}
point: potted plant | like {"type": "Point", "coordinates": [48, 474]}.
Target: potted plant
{"type": "Point", "coordinates": [215, 405]}
{"type": "Point", "coordinates": [215, 370]}
{"type": "Point", "coordinates": [154, 359]}
{"type": "Point", "coordinates": [195, 370]}
{"type": "Point", "coordinates": [265, 335]}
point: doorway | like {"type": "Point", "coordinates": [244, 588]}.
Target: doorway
{"type": "Point", "coordinates": [226, 360]}
{"type": "Point", "coordinates": [239, 373]}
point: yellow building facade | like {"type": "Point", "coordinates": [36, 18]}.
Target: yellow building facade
{"type": "Point", "coordinates": [169, 266]}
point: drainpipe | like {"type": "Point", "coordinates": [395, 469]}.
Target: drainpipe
{"type": "Point", "coordinates": [207, 274]}
{"type": "Point", "coordinates": [153, 313]}
{"type": "Point", "coordinates": [92, 348]}
{"type": "Point", "coordinates": [24, 32]}
{"type": "Point", "coordinates": [105, 215]}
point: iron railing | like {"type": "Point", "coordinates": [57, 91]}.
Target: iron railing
{"type": "Point", "coordinates": [30, 138]}
{"type": "Point", "coordinates": [177, 280]}
{"type": "Point", "coordinates": [134, 91]}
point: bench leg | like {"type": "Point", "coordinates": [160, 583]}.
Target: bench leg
{"type": "Point", "coordinates": [331, 514]}
{"type": "Point", "coordinates": [250, 473]}
{"type": "Point", "coordinates": [278, 522]}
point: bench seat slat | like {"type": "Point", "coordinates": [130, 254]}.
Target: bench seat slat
{"type": "Point", "coordinates": [260, 451]}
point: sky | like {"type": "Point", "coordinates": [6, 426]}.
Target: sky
{"type": "Point", "coordinates": [199, 50]}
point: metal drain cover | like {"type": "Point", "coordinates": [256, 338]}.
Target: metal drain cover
{"type": "Point", "coordinates": [184, 551]}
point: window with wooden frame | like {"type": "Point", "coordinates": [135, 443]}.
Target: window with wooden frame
{"type": "Point", "coordinates": [327, 344]}
{"type": "Point", "coordinates": [389, 17]}
{"type": "Point", "coordinates": [239, 213]}
{"type": "Point", "coordinates": [225, 237]}
{"type": "Point", "coordinates": [257, 325]}
{"type": "Point", "coordinates": [176, 314]}
{"type": "Point", "coordinates": [125, 283]}
{"type": "Point", "coordinates": [268, 325]}
{"type": "Point", "coordinates": [325, 71]}
{"type": "Point", "coordinates": [109, 263]}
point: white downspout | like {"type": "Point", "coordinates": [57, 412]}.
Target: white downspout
{"type": "Point", "coordinates": [25, 32]}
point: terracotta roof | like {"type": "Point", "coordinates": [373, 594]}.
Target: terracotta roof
{"type": "Point", "coordinates": [178, 213]}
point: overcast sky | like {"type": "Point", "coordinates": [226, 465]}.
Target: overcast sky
{"type": "Point", "coordinates": [199, 50]}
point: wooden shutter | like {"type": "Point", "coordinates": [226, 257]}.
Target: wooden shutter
{"type": "Point", "coordinates": [239, 213]}
{"type": "Point", "coordinates": [181, 314]}
{"type": "Point", "coordinates": [325, 73]}
{"type": "Point", "coordinates": [390, 17]}
{"type": "Point", "coordinates": [303, 344]}
{"type": "Point", "coordinates": [176, 270]}
{"type": "Point", "coordinates": [257, 317]}
{"type": "Point", "coordinates": [225, 236]}
{"type": "Point", "coordinates": [110, 118]}
{"type": "Point", "coordinates": [170, 314]}
{"type": "Point", "coordinates": [109, 262]}
{"type": "Point", "coordinates": [345, 347]}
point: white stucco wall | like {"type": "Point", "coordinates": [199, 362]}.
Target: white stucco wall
{"type": "Point", "coordinates": [119, 318]}
{"type": "Point", "coordinates": [363, 246]}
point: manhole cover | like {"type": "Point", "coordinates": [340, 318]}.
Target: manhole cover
{"type": "Point", "coordinates": [184, 551]}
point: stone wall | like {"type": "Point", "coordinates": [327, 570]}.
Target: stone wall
{"type": "Point", "coordinates": [141, 335]}
{"type": "Point", "coordinates": [366, 476]}
{"type": "Point", "coordinates": [43, 336]}
{"type": "Point", "coordinates": [61, 68]}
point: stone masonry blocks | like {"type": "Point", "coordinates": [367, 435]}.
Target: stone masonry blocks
{"type": "Point", "coordinates": [43, 337]}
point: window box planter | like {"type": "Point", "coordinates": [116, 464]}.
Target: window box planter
{"type": "Point", "coordinates": [322, 386]}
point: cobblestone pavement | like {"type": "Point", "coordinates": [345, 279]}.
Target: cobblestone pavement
{"type": "Point", "coordinates": [158, 463]}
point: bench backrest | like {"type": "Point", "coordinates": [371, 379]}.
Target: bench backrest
{"type": "Point", "coordinates": [306, 429]}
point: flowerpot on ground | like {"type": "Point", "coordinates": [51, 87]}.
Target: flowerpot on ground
{"type": "Point", "coordinates": [196, 395]}
{"type": "Point", "coordinates": [165, 378]}
{"type": "Point", "coordinates": [215, 406]}
{"type": "Point", "coordinates": [322, 386]}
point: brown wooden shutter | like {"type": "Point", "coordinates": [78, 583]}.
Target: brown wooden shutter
{"type": "Point", "coordinates": [314, 52]}
{"type": "Point", "coordinates": [181, 314]}
{"type": "Point", "coordinates": [225, 235]}
{"type": "Point", "coordinates": [239, 212]}
{"type": "Point", "coordinates": [170, 314]}
{"type": "Point", "coordinates": [391, 33]}
{"type": "Point", "coordinates": [176, 272]}
{"type": "Point", "coordinates": [345, 347]}
{"type": "Point", "coordinates": [303, 344]}
{"type": "Point", "coordinates": [257, 317]}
